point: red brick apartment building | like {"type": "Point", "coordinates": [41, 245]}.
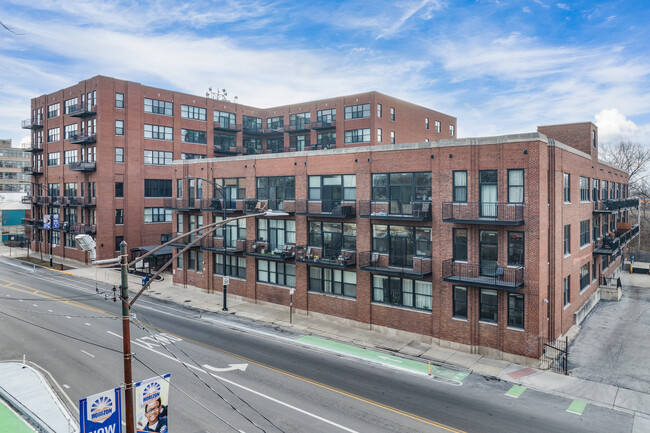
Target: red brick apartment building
{"type": "Point", "coordinates": [488, 244]}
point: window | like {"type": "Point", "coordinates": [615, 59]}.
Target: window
{"type": "Point", "coordinates": [596, 189]}
{"type": "Point", "coordinates": [333, 189]}
{"type": "Point", "coordinates": [460, 302]}
{"type": "Point", "coordinates": [70, 156]}
{"type": "Point", "coordinates": [165, 237]}
{"type": "Point", "coordinates": [567, 239]}
{"type": "Point", "coordinates": [224, 119]}
{"type": "Point", "coordinates": [179, 260]}
{"type": "Point", "coordinates": [53, 134]}
{"type": "Point", "coordinates": [70, 106]}
{"type": "Point", "coordinates": [401, 190]}
{"type": "Point", "coordinates": [119, 100]}
{"type": "Point", "coordinates": [119, 155]}
{"type": "Point", "coordinates": [53, 159]}
{"type": "Point", "coordinates": [379, 111]}
{"type": "Point", "coordinates": [426, 123]}
{"type": "Point", "coordinates": [276, 232]}
{"type": "Point", "coordinates": [157, 132]}
{"type": "Point", "coordinates": [223, 142]}
{"type": "Point", "coordinates": [157, 215]}
{"type": "Point", "coordinates": [54, 189]}
{"type": "Point", "coordinates": [275, 123]}
{"type": "Point", "coordinates": [157, 157]}
{"type": "Point", "coordinates": [179, 223]}
{"type": "Point", "coordinates": [190, 112]}
{"type": "Point", "coordinates": [378, 135]}
{"type": "Point", "coordinates": [392, 114]}
{"type": "Point", "coordinates": [157, 188]}
{"type": "Point", "coordinates": [252, 124]}
{"type": "Point", "coordinates": [119, 189]}
{"type": "Point", "coordinates": [605, 189]}
{"type": "Point", "coordinates": [300, 120]}
{"type": "Point", "coordinates": [276, 189]}
{"type": "Point", "coordinates": [118, 241]}
{"type": "Point", "coordinates": [357, 136]}
{"type": "Point", "coordinates": [53, 110]}
{"type": "Point", "coordinates": [193, 136]}
{"type": "Point", "coordinates": [392, 137]}
{"type": "Point", "coordinates": [516, 186]}
{"type": "Point", "coordinates": [567, 188]}
{"type": "Point", "coordinates": [279, 273]}
{"type": "Point", "coordinates": [593, 138]}
{"type": "Point", "coordinates": [119, 127]}
{"type": "Point", "coordinates": [584, 276]}
{"type": "Point", "coordinates": [584, 188]}
{"type": "Point", "coordinates": [69, 241]}
{"type": "Point", "coordinates": [326, 116]}
{"type": "Point", "coordinates": [516, 310]}
{"type": "Point", "coordinates": [584, 233]}
{"type": "Point", "coordinates": [158, 107]}
{"type": "Point", "coordinates": [235, 266]}
{"type": "Point", "coordinates": [460, 186]}
{"type": "Point", "coordinates": [299, 142]}
{"type": "Point", "coordinates": [402, 242]}
{"type": "Point", "coordinates": [452, 130]}
{"type": "Point", "coordinates": [460, 245]}
{"type": "Point", "coordinates": [516, 248]}
{"type": "Point", "coordinates": [326, 140]}
{"type": "Point", "coordinates": [56, 238]}
{"type": "Point", "coordinates": [233, 231]}
{"type": "Point", "coordinates": [402, 292]}
{"type": "Point", "coordinates": [70, 189]}
{"type": "Point", "coordinates": [333, 237]}
{"type": "Point", "coordinates": [567, 290]}
{"type": "Point", "coordinates": [70, 131]}
{"type": "Point", "coordinates": [489, 306]}
{"type": "Point", "coordinates": [333, 281]}
{"type": "Point", "coordinates": [119, 216]}
{"type": "Point", "coordinates": [437, 126]}
{"type": "Point", "coordinates": [357, 111]}
{"type": "Point", "coordinates": [596, 229]}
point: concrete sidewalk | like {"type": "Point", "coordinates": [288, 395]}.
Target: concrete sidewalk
{"type": "Point", "coordinates": [320, 325]}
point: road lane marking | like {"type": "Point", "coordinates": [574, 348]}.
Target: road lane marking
{"type": "Point", "coordinates": [231, 367]}
{"type": "Point", "coordinates": [49, 311]}
{"type": "Point", "coordinates": [516, 391]}
{"type": "Point", "coordinates": [87, 324]}
{"type": "Point", "coordinates": [89, 354]}
{"type": "Point", "coordinates": [46, 295]}
{"type": "Point", "coordinates": [34, 305]}
{"type": "Point", "coordinates": [66, 386]}
{"type": "Point", "coordinates": [577, 407]}
{"type": "Point", "coordinates": [68, 317]}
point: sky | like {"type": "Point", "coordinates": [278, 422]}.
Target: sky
{"type": "Point", "coordinates": [498, 66]}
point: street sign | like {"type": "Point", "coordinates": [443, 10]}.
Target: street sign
{"type": "Point", "coordinates": [226, 280]}
{"type": "Point", "coordinates": [101, 412]}
{"type": "Point", "coordinates": [55, 221]}
{"type": "Point", "coordinates": [152, 400]}
{"type": "Point", "coordinates": [46, 221]}
{"type": "Point", "coordinates": [145, 280]}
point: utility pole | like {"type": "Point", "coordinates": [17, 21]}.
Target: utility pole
{"type": "Point", "coordinates": [126, 341]}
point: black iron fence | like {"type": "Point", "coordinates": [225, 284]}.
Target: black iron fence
{"type": "Point", "coordinates": [487, 276]}
{"type": "Point", "coordinates": [509, 213]}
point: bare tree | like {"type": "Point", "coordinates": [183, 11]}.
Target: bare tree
{"type": "Point", "coordinates": [631, 157]}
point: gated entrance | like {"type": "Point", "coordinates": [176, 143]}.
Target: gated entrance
{"type": "Point", "coordinates": [556, 355]}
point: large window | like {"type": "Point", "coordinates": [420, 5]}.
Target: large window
{"type": "Point", "coordinates": [516, 248]}
{"type": "Point", "coordinates": [358, 111]}
{"type": "Point", "coordinates": [157, 132]}
{"type": "Point", "coordinates": [233, 231]}
{"type": "Point", "coordinates": [401, 188]}
{"type": "Point", "coordinates": [516, 310]}
{"type": "Point", "coordinates": [53, 159]}
{"type": "Point", "coordinates": [70, 131]}
{"type": "Point", "coordinates": [333, 189]}
{"type": "Point", "coordinates": [157, 157]}
{"type": "Point", "coordinates": [276, 189]}
{"type": "Point", "coordinates": [157, 215]}
{"type": "Point", "coordinates": [326, 140]}
{"type": "Point", "coordinates": [326, 116]}
{"type": "Point", "coordinates": [489, 306]}
{"type": "Point", "coordinates": [460, 245]}
{"type": "Point", "coordinates": [275, 123]}
{"type": "Point", "coordinates": [53, 134]}
{"type": "Point", "coordinates": [70, 105]}
{"type": "Point", "coordinates": [299, 142]}
{"type": "Point", "coordinates": [333, 281]}
{"type": "Point", "coordinates": [596, 228]}
{"type": "Point", "coordinates": [193, 136]}
{"type": "Point", "coordinates": [235, 265]}
{"type": "Point", "coordinates": [276, 232]}
{"type": "Point", "coordinates": [279, 273]}
{"type": "Point", "coordinates": [158, 107]}
{"type": "Point", "coordinates": [460, 302]}
{"type": "Point", "coordinates": [584, 233]}
{"type": "Point", "coordinates": [223, 142]}
{"type": "Point", "coordinates": [190, 112]}
{"type": "Point", "coordinates": [300, 120]}
{"type": "Point", "coordinates": [252, 124]}
{"type": "Point", "coordinates": [401, 242]}
{"type": "Point", "coordinates": [53, 110]}
{"type": "Point", "coordinates": [460, 186]}
{"type": "Point", "coordinates": [333, 237]}
{"type": "Point", "coordinates": [584, 276]}
{"type": "Point", "coordinates": [596, 189]}
{"type": "Point", "coordinates": [567, 290]}
{"type": "Point", "coordinates": [516, 186]}
{"type": "Point", "coordinates": [584, 188]}
{"type": "Point", "coordinates": [402, 292]}
{"type": "Point", "coordinates": [70, 156]}
{"type": "Point", "coordinates": [224, 119]}
{"type": "Point", "coordinates": [119, 100]}
{"type": "Point", "coordinates": [357, 136]}
{"type": "Point", "coordinates": [567, 188]}
{"type": "Point", "coordinates": [157, 188]}
{"type": "Point", "coordinates": [567, 239]}
{"type": "Point", "coordinates": [605, 189]}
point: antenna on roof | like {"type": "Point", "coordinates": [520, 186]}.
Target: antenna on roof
{"type": "Point", "coordinates": [219, 95]}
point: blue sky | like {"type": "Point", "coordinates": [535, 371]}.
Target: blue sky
{"type": "Point", "coordinates": [500, 67]}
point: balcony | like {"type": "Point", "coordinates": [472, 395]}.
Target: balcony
{"type": "Point", "coordinates": [324, 125]}
{"type": "Point", "coordinates": [83, 166]}
{"type": "Point", "coordinates": [254, 205]}
{"type": "Point", "coordinates": [82, 229]}
{"type": "Point", "coordinates": [264, 250]}
{"type": "Point", "coordinates": [41, 200]}
{"type": "Point", "coordinates": [28, 199]}
{"type": "Point", "coordinates": [253, 130]}
{"type": "Point", "coordinates": [273, 132]}
{"type": "Point", "coordinates": [33, 171]}
{"type": "Point", "coordinates": [182, 204]}
{"type": "Point", "coordinates": [217, 245]}
{"type": "Point", "coordinates": [491, 277]}
{"type": "Point", "coordinates": [30, 222]}
{"type": "Point", "coordinates": [504, 214]}
{"type": "Point", "coordinates": [326, 209]}
{"type": "Point", "coordinates": [80, 111]}
{"type": "Point", "coordinates": [223, 150]}
{"type": "Point", "coordinates": [395, 210]}
{"type": "Point", "coordinates": [611, 244]}
{"type": "Point", "coordinates": [87, 201]}
{"type": "Point", "coordinates": [186, 240]}
{"type": "Point", "coordinates": [217, 205]}
{"type": "Point", "coordinates": [326, 258]}
{"type": "Point", "coordinates": [35, 148]}
{"type": "Point", "coordinates": [397, 264]}
{"type": "Point", "coordinates": [82, 139]}
{"type": "Point", "coordinates": [227, 127]}
{"type": "Point", "coordinates": [613, 206]}
{"type": "Point", "coordinates": [32, 124]}
{"type": "Point", "coordinates": [57, 200]}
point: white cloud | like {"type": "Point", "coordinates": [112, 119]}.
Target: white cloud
{"type": "Point", "coordinates": [563, 6]}
{"type": "Point", "coordinates": [614, 126]}
{"type": "Point", "coordinates": [526, 10]}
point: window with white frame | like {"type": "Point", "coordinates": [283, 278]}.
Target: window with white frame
{"type": "Point", "coordinates": [53, 159]}
{"type": "Point", "coordinates": [70, 156]}
{"type": "Point", "coordinates": [437, 126]}
{"type": "Point", "coordinates": [357, 136]}
{"type": "Point", "coordinates": [402, 292]}
{"type": "Point", "coordinates": [277, 273]}
{"type": "Point", "coordinates": [452, 130]}
{"type": "Point", "coordinates": [158, 132]}
{"type": "Point", "coordinates": [333, 282]}
{"type": "Point", "coordinates": [378, 135]}
{"type": "Point", "coordinates": [157, 215]}
{"type": "Point", "coordinates": [379, 111]}
{"type": "Point", "coordinates": [584, 188]}
{"type": "Point", "coordinates": [53, 110]}
{"type": "Point", "coordinates": [158, 157]}
{"type": "Point", "coordinates": [119, 100]}
{"type": "Point", "coordinates": [392, 137]}
{"type": "Point", "coordinates": [158, 107]}
{"type": "Point", "coordinates": [53, 134]}
{"type": "Point", "coordinates": [70, 105]}
{"type": "Point", "coordinates": [360, 111]}
{"type": "Point", "coordinates": [426, 123]}
{"type": "Point", "coordinates": [516, 186]}
{"type": "Point", "coordinates": [119, 127]}
{"type": "Point", "coordinates": [191, 112]}
{"type": "Point", "coordinates": [70, 131]}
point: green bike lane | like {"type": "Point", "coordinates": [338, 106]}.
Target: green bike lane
{"type": "Point", "coordinates": [385, 359]}
{"type": "Point", "coordinates": [11, 422]}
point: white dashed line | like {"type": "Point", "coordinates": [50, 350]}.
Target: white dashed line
{"type": "Point", "coordinates": [66, 386]}
{"type": "Point", "coordinates": [89, 354]}
{"type": "Point", "coordinates": [87, 324]}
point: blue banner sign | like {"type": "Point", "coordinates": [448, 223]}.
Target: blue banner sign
{"type": "Point", "coordinates": [101, 413]}
{"type": "Point", "coordinates": [55, 221]}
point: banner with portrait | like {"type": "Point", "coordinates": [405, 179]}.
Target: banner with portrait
{"type": "Point", "coordinates": [151, 404]}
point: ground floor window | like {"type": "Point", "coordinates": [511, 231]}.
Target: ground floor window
{"type": "Point", "coordinates": [56, 238]}
{"type": "Point", "coordinates": [584, 276]}
{"type": "Point", "coordinates": [333, 281]}
{"type": "Point", "coordinates": [235, 265]}
{"type": "Point", "coordinates": [460, 302]}
{"type": "Point", "coordinates": [69, 241]}
{"type": "Point", "coordinates": [179, 261]}
{"type": "Point", "coordinates": [401, 291]}
{"type": "Point", "coordinates": [489, 306]}
{"type": "Point", "coordinates": [282, 274]}
{"type": "Point", "coordinates": [516, 310]}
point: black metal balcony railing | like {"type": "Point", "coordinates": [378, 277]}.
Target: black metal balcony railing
{"type": "Point", "coordinates": [35, 147]}
{"type": "Point", "coordinates": [81, 111]}
{"type": "Point", "coordinates": [217, 205]}
{"type": "Point", "coordinates": [83, 166]}
{"type": "Point", "coordinates": [298, 126]}
{"type": "Point", "coordinates": [217, 245]}
{"type": "Point", "coordinates": [227, 126]}
{"type": "Point", "coordinates": [395, 264]}
{"type": "Point", "coordinates": [27, 199]}
{"type": "Point", "coordinates": [186, 240]}
{"type": "Point", "coordinates": [253, 205]}
{"type": "Point", "coordinates": [82, 139]}
{"type": "Point", "coordinates": [493, 277]}
{"type": "Point", "coordinates": [395, 210]}
{"type": "Point", "coordinates": [226, 150]}
{"type": "Point", "coordinates": [324, 208]}
{"type": "Point", "coordinates": [326, 258]}
{"type": "Point", "coordinates": [610, 206]}
{"type": "Point", "coordinates": [32, 124]}
{"type": "Point", "coordinates": [610, 245]}
{"type": "Point", "coordinates": [483, 213]}
{"type": "Point", "coordinates": [324, 125]}
{"type": "Point", "coordinates": [80, 229]}
{"type": "Point", "coordinates": [34, 171]}
{"type": "Point", "coordinates": [182, 204]}
{"type": "Point", "coordinates": [31, 222]}
{"type": "Point", "coordinates": [264, 250]}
